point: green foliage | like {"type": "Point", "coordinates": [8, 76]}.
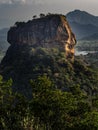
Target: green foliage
{"type": "Point", "coordinates": [42, 15]}
{"type": "Point", "coordinates": [35, 16]}
{"type": "Point", "coordinates": [13, 107]}
{"type": "Point", "coordinates": [49, 108]}
{"type": "Point", "coordinates": [20, 24]}
{"type": "Point", "coordinates": [55, 109]}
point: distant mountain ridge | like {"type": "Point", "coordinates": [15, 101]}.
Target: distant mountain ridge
{"type": "Point", "coordinates": [3, 42]}
{"type": "Point", "coordinates": [82, 17]}
{"type": "Point", "coordinates": [3, 39]}
{"type": "Point", "coordinates": [3, 34]}
{"type": "Point", "coordinates": [83, 24]}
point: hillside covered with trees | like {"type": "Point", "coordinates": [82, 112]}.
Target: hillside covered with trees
{"type": "Point", "coordinates": [63, 94]}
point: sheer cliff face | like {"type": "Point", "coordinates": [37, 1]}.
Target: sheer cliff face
{"type": "Point", "coordinates": [48, 32]}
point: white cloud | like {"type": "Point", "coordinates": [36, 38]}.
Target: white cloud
{"type": "Point", "coordinates": [23, 1]}
{"type": "Point", "coordinates": [12, 1]}
{"type": "Point", "coordinates": [18, 1]}
{"type": "Point", "coordinates": [5, 1]}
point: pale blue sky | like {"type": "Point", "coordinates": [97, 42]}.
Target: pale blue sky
{"type": "Point", "coordinates": [21, 10]}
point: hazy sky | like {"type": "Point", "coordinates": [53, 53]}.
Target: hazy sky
{"type": "Point", "coordinates": [21, 10]}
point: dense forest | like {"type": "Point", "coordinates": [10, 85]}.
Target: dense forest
{"type": "Point", "coordinates": [49, 108]}
{"type": "Point", "coordinates": [64, 94]}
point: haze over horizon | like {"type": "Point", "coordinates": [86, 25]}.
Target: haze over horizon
{"type": "Point", "coordinates": [23, 10]}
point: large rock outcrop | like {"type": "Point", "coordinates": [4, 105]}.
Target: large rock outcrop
{"type": "Point", "coordinates": [48, 32]}
{"type": "Point", "coordinates": [31, 52]}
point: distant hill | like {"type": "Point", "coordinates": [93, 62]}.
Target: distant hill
{"type": "Point", "coordinates": [3, 39]}
{"type": "Point", "coordinates": [83, 24]}
{"type": "Point", "coordinates": [3, 42]}
{"type": "Point", "coordinates": [3, 34]}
